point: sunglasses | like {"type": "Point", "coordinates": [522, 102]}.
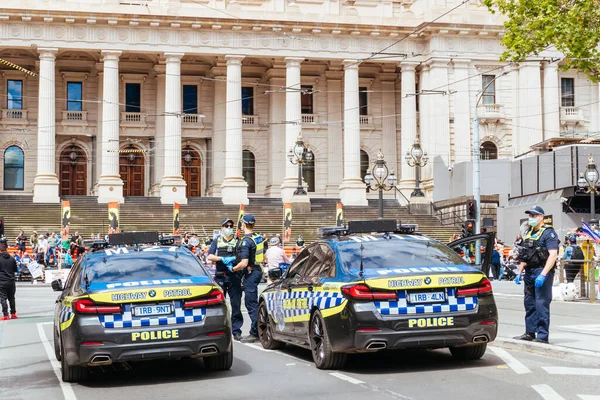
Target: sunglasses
{"type": "Point", "coordinates": [228, 226]}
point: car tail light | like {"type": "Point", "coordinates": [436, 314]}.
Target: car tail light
{"type": "Point", "coordinates": [214, 297]}
{"type": "Point", "coordinates": [363, 292]}
{"type": "Point", "coordinates": [366, 329]}
{"type": "Point", "coordinates": [488, 322]}
{"type": "Point", "coordinates": [218, 333]}
{"type": "Point", "coordinates": [86, 306]}
{"type": "Point", "coordinates": [92, 344]}
{"type": "Point", "coordinates": [485, 286]}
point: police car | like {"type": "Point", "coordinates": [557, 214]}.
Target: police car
{"type": "Point", "coordinates": [376, 285]}
{"type": "Point", "coordinates": [124, 302]}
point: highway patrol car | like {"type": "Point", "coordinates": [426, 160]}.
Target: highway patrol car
{"type": "Point", "coordinates": [124, 303]}
{"type": "Point", "coordinates": [376, 285]}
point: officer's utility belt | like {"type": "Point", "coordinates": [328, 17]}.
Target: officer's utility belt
{"type": "Point", "coordinates": [220, 274]}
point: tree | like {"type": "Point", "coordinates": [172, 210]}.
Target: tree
{"type": "Point", "coordinates": [571, 26]}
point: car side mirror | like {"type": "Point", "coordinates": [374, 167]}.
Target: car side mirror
{"type": "Point", "coordinates": [275, 273]}
{"type": "Point", "coordinates": [57, 285]}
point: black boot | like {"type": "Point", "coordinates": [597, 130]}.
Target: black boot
{"type": "Point", "coordinates": [526, 336]}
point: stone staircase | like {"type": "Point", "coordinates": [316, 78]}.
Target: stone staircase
{"type": "Point", "coordinates": [201, 215]}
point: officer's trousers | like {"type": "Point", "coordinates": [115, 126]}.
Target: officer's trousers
{"type": "Point", "coordinates": [537, 303]}
{"type": "Point", "coordinates": [251, 282]}
{"type": "Point", "coordinates": [232, 286]}
{"type": "Point", "coordinates": [7, 291]}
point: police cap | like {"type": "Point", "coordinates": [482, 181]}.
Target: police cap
{"type": "Point", "coordinates": [249, 219]}
{"type": "Point", "coordinates": [537, 210]}
{"type": "Point", "coordinates": [225, 221]}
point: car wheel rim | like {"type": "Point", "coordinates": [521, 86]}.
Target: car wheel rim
{"type": "Point", "coordinates": [317, 339]}
{"type": "Point", "coordinates": [264, 329]}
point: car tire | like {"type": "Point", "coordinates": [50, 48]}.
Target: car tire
{"type": "Point", "coordinates": [71, 374]}
{"type": "Point", "coordinates": [323, 356]}
{"type": "Point", "coordinates": [469, 353]}
{"type": "Point", "coordinates": [220, 362]}
{"type": "Point", "coordinates": [265, 330]}
{"type": "Point", "coordinates": [56, 345]}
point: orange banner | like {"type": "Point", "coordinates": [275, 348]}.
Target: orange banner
{"type": "Point", "coordinates": [113, 217]}
{"type": "Point", "coordinates": [239, 232]}
{"type": "Point", "coordinates": [176, 218]}
{"type": "Point", "coordinates": [65, 218]}
{"type": "Point", "coordinates": [287, 222]}
{"type": "Point", "coordinates": [339, 215]}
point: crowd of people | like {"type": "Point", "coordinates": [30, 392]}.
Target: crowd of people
{"type": "Point", "coordinates": [49, 249]}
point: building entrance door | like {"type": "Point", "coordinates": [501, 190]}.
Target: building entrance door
{"type": "Point", "coordinates": [73, 172]}
{"type": "Point", "coordinates": [131, 169]}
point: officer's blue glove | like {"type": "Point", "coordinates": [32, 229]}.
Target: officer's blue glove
{"type": "Point", "coordinates": [230, 267]}
{"type": "Point", "coordinates": [518, 279]}
{"type": "Point", "coordinates": [227, 260]}
{"type": "Point", "coordinates": [539, 281]}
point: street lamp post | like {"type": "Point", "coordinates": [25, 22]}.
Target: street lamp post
{"type": "Point", "coordinates": [417, 158]}
{"type": "Point", "coordinates": [588, 181]}
{"type": "Point", "coordinates": [299, 155]}
{"type": "Point", "coordinates": [381, 179]}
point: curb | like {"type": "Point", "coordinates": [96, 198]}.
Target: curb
{"type": "Point", "coordinates": [29, 284]}
{"type": "Point", "coordinates": [549, 350]}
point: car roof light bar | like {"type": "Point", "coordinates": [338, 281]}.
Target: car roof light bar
{"type": "Point", "coordinates": [375, 226]}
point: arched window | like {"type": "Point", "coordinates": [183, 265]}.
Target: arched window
{"type": "Point", "coordinates": [249, 170]}
{"type": "Point", "coordinates": [14, 168]}
{"type": "Point", "coordinates": [308, 173]}
{"type": "Point", "coordinates": [489, 151]}
{"type": "Point", "coordinates": [364, 164]}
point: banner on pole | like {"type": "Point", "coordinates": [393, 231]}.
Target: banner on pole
{"type": "Point", "coordinates": [176, 218]}
{"type": "Point", "coordinates": [113, 217]}
{"type": "Point", "coordinates": [65, 218]}
{"type": "Point", "coordinates": [287, 222]}
{"type": "Point", "coordinates": [339, 215]}
{"type": "Point", "coordinates": [239, 232]}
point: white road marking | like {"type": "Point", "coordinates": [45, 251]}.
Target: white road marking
{"type": "Point", "coordinates": [290, 364]}
{"type": "Point", "coordinates": [585, 327]}
{"type": "Point", "coordinates": [507, 295]}
{"type": "Point", "coordinates": [572, 371]}
{"type": "Point", "coordinates": [346, 378]}
{"type": "Point", "coordinates": [67, 388]}
{"type": "Point", "coordinates": [588, 397]}
{"type": "Point", "coordinates": [547, 392]}
{"type": "Point", "coordinates": [512, 362]}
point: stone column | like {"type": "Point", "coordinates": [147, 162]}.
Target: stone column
{"type": "Point", "coordinates": [353, 189]}
{"type": "Point", "coordinates": [277, 139]}
{"type": "Point", "coordinates": [335, 114]}
{"type": "Point", "coordinates": [530, 106]}
{"type": "Point", "coordinates": [234, 189]}
{"type": "Point", "coordinates": [462, 111]}
{"type": "Point", "coordinates": [424, 116]}
{"type": "Point", "coordinates": [110, 185]}
{"type": "Point", "coordinates": [293, 127]}
{"type": "Point", "coordinates": [516, 127]}
{"type": "Point", "coordinates": [45, 185]}
{"type": "Point", "coordinates": [409, 121]}
{"type": "Point", "coordinates": [159, 133]}
{"type": "Point", "coordinates": [219, 73]}
{"type": "Point", "coordinates": [437, 144]}
{"type": "Point", "coordinates": [551, 101]}
{"type": "Point", "coordinates": [172, 186]}
{"type": "Point", "coordinates": [594, 107]}
{"type": "Point", "coordinates": [388, 121]}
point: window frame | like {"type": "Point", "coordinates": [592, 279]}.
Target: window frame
{"type": "Point", "coordinates": [183, 108]}
{"type": "Point", "coordinates": [570, 96]}
{"type": "Point", "coordinates": [363, 91]}
{"type": "Point", "coordinates": [249, 99]}
{"type": "Point", "coordinates": [302, 258]}
{"type": "Point", "coordinates": [482, 152]}
{"type": "Point", "coordinates": [80, 83]}
{"type": "Point", "coordinates": [490, 91]}
{"type": "Point", "coordinates": [251, 189]}
{"type": "Point", "coordinates": [313, 168]}
{"type": "Point", "coordinates": [309, 96]}
{"type": "Point", "coordinates": [140, 84]}
{"type": "Point", "coordinates": [320, 269]}
{"type": "Point", "coordinates": [8, 100]}
{"type": "Point", "coordinates": [21, 167]}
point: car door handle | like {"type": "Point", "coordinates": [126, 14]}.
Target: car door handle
{"type": "Point", "coordinates": [310, 288]}
{"type": "Point", "coordinates": [289, 288]}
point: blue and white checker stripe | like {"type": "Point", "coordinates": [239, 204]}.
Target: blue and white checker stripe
{"type": "Point", "coordinates": [402, 307]}
{"type": "Point", "coordinates": [127, 320]}
{"type": "Point", "coordinates": [322, 300]}
{"type": "Point", "coordinates": [65, 314]}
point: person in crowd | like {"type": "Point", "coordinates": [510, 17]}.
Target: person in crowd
{"type": "Point", "coordinates": [250, 255]}
{"type": "Point", "coordinates": [21, 241]}
{"type": "Point", "coordinates": [67, 260]}
{"type": "Point", "coordinates": [80, 245]}
{"type": "Point", "coordinates": [33, 239]}
{"type": "Point", "coordinates": [223, 253]}
{"type": "Point", "coordinates": [17, 257]}
{"type": "Point", "coordinates": [51, 250]}
{"type": "Point", "coordinates": [537, 257]}
{"type": "Point", "coordinates": [42, 248]}
{"type": "Point", "coordinates": [8, 269]}
{"type": "Point", "coordinates": [275, 255]}
{"type": "Point", "coordinates": [573, 252]}
{"type": "Point", "coordinates": [294, 255]}
{"type": "Point", "coordinates": [495, 263]}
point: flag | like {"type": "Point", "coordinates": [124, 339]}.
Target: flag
{"type": "Point", "coordinates": [238, 233]}
{"type": "Point", "coordinates": [287, 222]}
{"type": "Point", "coordinates": [339, 215]}
{"type": "Point", "coordinates": [176, 218]}
{"type": "Point", "coordinates": [590, 232]}
{"type": "Point", "coordinates": [113, 217]}
{"type": "Point", "coordinates": [65, 218]}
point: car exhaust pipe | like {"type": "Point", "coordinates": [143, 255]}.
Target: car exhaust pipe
{"type": "Point", "coordinates": [480, 339]}
{"type": "Point", "coordinates": [376, 346]}
{"type": "Point", "coordinates": [208, 350]}
{"type": "Point", "coordinates": [102, 359]}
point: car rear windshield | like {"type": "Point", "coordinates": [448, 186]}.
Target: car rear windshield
{"type": "Point", "coordinates": [142, 265]}
{"type": "Point", "coordinates": [396, 253]}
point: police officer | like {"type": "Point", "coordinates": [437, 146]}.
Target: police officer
{"type": "Point", "coordinates": [250, 254]}
{"type": "Point", "coordinates": [537, 258]}
{"type": "Point", "coordinates": [222, 252]}
{"type": "Point", "coordinates": [8, 269]}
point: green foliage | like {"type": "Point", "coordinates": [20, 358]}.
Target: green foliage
{"type": "Point", "coordinates": [572, 26]}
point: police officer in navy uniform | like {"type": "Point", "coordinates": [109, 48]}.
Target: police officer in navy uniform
{"type": "Point", "coordinates": [8, 269]}
{"type": "Point", "coordinates": [222, 252]}
{"type": "Point", "coordinates": [537, 257]}
{"type": "Point", "coordinates": [250, 255]}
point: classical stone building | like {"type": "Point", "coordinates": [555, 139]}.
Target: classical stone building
{"type": "Point", "coordinates": [187, 98]}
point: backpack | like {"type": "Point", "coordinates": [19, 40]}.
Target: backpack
{"type": "Point", "coordinates": [577, 253]}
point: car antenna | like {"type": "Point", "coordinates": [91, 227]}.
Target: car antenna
{"type": "Point", "coordinates": [361, 272]}
{"type": "Point", "coordinates": [87, 283]}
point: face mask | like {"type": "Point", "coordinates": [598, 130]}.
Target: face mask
{"type": "Point", "coordinates": [228, 231]}
{"type": "Point", "coordinates": [533, 222]}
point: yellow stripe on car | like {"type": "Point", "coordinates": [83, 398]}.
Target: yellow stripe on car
{"type": "Point", "coordinates": [425, 281]}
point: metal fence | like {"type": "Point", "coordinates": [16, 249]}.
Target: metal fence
{"type": "Point", "coordinates": [587, 277]}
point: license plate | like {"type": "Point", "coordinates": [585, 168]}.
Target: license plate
{"type": "Point", "coordinates": [427, 297]}
{"type": "Point", "coordinates": [157, 309]}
